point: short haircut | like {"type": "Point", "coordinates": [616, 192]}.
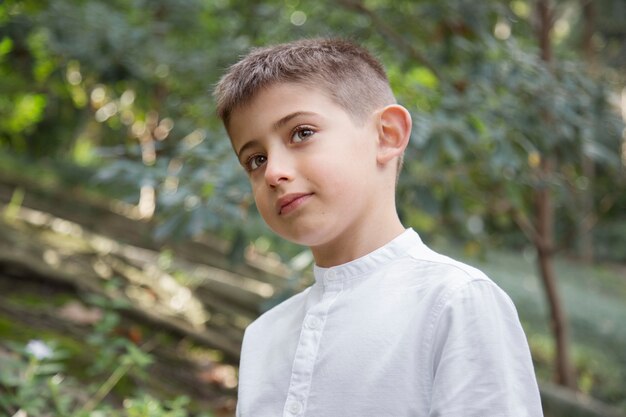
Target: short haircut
{"type": "Point", "coordinates": [351, 76]}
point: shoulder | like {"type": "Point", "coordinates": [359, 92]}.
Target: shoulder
{"type": "Point", "coordinates": [450, 284]}
{"type": "Point", "coordinates": [428, 259]}
{"type": "Point", "coordinates": [461, 297]}
{"type": "Point", "coordinates": [440, 272]}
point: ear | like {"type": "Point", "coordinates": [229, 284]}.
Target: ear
{"type": "Point", "coordinates": [394, 130]}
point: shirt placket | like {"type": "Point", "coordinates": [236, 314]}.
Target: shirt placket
{"type": "Point", "coordinates": [308, 348]}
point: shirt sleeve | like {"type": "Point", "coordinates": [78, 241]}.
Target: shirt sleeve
{"type": "Point", "coordinates": [481, 360]}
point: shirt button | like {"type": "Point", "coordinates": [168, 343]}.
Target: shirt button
{"type": "Point", "coordinates": [294, 407]}
{"type": "Point", "coordinates": [331, 274]}
{"type": "Point", "coordinates": [313, 323]}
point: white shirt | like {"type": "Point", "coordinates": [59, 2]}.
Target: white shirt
{"type": "Point", "coordinates": [402, 331]}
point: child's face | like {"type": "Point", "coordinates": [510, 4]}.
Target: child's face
{"type": "Point", "coordinates": [310, 164]}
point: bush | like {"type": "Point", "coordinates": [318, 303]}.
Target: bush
{"type": "Point", "coordinates": [33, 383]}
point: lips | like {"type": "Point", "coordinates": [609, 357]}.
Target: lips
{"type": "Point", "coordinates": [289, 202]}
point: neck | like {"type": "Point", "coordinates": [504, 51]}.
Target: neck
{"type": "Point", "coordinates": [358, 242]}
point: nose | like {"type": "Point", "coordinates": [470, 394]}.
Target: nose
{"type": "Point", "coordinates": [278, 168]}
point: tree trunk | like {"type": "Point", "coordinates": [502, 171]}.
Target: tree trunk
{"type": "Point", "coordinates": [545, 22]}
{"type": "Point", "coordinates": [544, 218]}
{"type": "Point", "coordinates": [545, 256]}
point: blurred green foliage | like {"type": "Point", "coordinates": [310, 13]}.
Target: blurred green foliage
{"type": "Point", "coordinates": [123, 88]}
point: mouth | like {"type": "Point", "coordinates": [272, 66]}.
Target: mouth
{"type": "Point", "coordinates": [291, 202]}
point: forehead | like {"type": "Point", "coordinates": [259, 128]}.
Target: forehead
{"type": "Point", "coordinates": [274, 102]}
{"type": "Point", "coordinates": [288, 90]}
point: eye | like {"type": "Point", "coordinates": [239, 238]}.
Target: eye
{"type": "Point", "coordinates": [301, 134]}
{"type": "Point", "coordinates": [254, 162]}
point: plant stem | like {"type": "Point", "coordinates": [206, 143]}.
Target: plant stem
{"type": "Point", "coordinates": [108, 385]}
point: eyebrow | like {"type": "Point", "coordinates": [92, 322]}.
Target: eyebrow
{"type": "Point", "coordinates": [277, 125]}
{"type": "Point", "coordinates": [280, 123]}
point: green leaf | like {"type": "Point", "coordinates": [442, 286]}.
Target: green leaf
{"type": "Point", "coordinates": [6, 45]}
{"type": "Point", "coordinates": [423, 76]}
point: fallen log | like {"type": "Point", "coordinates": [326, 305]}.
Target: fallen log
{"type": "Point", "coordinates": [120, 222]}
{"type": "Point", "coordinates": [39, 245]}
{"type": "Point", "coordinates": [18, 267]}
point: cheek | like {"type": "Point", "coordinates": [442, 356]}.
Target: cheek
{"type": "Point", "coordinates": [263, 205]}
{"type": "Point", "coordinates": [340, 181]}
{"type": "Point", "coordinates": [261, 201]}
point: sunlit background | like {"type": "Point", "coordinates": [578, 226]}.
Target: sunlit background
{"type": "Point", "coordinates": [131, 254]}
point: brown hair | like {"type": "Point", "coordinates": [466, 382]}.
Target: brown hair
{"type": "Point", "coordinates": [351, 76]}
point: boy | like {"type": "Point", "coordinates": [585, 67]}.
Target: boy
{"type": "Point", "coordinates": [390, 328]}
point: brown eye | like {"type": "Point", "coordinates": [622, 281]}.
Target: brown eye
{"type": "Point", "coordinates": [301, 134]}
{"type": "Point", "coordinates": [255, 161]}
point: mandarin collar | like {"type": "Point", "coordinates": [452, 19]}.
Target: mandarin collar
{"type": "Point", "coordinates": [395, 249]}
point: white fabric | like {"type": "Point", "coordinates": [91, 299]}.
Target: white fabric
{"type": "Point", "coordinates": [402, 331]}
